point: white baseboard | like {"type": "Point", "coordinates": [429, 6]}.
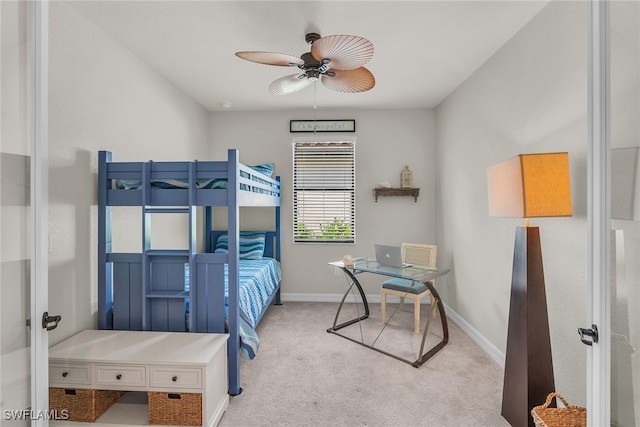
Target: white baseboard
{"type": "Point", "coordinates": [488, 347]}
{"type": "Point", "coordinates": [476, 336]}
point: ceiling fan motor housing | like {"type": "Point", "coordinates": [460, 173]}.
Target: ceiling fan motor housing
{"type": "Point", "coordinates": [311, 37]}
{"type": "Point", "coordinates": [313, 68]}
{"type": "Point", "coordinates": [309, 61]}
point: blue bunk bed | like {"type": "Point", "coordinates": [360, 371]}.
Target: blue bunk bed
{"type": "Point", "coordinates": [225, 289]}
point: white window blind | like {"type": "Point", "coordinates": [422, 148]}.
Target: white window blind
{"type": "Point", "coordinates": [324, 202]}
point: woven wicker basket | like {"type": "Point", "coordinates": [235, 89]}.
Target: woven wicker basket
{"type": "Point", "coordinates": [175, 409]}
{"type": "Point", "coordinates": [86, 405]}
{"type": "Point", "coordinates": [569, 416]}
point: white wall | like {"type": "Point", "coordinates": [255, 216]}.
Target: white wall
{"type": "Point", "coordinates": [102, 98]}
{"type": "Point", "coordinates": [386, 141]}
{"type": "Point", "coordinates": [531, 96]}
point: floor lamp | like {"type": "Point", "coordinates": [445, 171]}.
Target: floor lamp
{"type": "Point", "coordinates": [526, 186]}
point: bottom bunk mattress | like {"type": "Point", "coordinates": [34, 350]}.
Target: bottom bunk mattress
{"type": "Point", "coordinates": [259, 280]}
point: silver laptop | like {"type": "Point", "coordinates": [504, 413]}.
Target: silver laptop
{"type": "Point", "coordinates": [390, 255]}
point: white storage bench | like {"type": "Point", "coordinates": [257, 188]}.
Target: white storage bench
{"type": "Point", "coordinates": [181, 377]}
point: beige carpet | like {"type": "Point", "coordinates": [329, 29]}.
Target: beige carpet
{"type": "Point", "coordinates": [304, 376]}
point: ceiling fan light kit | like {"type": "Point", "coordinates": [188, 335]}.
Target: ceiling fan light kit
{"type": "Point", "coordinates": [336, 61]}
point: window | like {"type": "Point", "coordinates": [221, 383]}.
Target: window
{"type": "Point", "coordinates": [324, 193]}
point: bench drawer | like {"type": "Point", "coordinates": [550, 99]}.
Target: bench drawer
{"type": "Point", "coordinates": [168, 377]}
{"type": "Point", "coordinates": [120, 376]}
{"type": "Point", "coordinates": [70, 374]}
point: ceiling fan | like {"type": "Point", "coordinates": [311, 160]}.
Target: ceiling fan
{"type": "Point", "coordinates": [337, 61]}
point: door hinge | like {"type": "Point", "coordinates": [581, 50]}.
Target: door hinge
{"type": "Point", "coordinates": [592, 333]}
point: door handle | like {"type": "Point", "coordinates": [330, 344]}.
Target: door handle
{"type": "Point", "coordinates": [50, 322]}
{"type": "Point", "coordinates": [591, 333]}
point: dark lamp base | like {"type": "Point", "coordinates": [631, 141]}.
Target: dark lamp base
{"type": "Point", "coordinates": [528, 371]}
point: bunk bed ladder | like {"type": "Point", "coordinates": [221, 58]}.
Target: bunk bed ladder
{"type": "Point", "coordinates": [165, 272]}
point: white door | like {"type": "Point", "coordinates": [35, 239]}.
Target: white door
{"type": "Point", "coordinates": [624, 305]}
{"type": "Point", "coordinates": [23, 213]}
{"type": "Point", "coordinates": [613, 392]}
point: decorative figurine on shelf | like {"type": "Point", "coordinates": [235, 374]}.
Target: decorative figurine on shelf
{"type": "Point", "coordinates": [406, 178]}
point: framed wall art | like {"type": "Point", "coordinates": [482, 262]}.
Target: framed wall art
{"type": "Point", "coordinates": [322, 125]}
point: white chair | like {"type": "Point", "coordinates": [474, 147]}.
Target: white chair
{"type": "Point", "coordinates": [420, 256]}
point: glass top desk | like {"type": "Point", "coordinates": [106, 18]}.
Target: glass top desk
{"type": "Point", "coordinates": [365, 265]}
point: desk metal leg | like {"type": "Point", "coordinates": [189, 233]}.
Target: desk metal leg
{"type": "Point", "coordinates": [423, 357]}
{"type": "Point", "coordinates": [354, 281]}
{"type": "Point", "coordinates": [445, 330]}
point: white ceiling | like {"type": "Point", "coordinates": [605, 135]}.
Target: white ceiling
{"type": "Point", "coordinates": [423, 49]}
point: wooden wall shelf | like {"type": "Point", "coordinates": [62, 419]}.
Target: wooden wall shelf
{"type": "Point", "coordinates": [412, 192]}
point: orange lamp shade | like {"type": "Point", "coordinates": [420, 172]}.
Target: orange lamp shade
{"type": "Point", "coordinates": [530, 185]}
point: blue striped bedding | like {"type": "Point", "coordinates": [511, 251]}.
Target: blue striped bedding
{"type": "Point", "coordinates": [170, 184]}
{"type": "Point", "coordinates": [259, 279]}
{"type": "Point", "coordinates": [167, 184]}
{"type": "Point", "coordinates": [213, 183]}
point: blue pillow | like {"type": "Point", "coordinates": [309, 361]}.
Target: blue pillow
{"type": "Point", "coordinates": [251, 244]}
{"type": "Point", "coordinates": [265, 169]}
